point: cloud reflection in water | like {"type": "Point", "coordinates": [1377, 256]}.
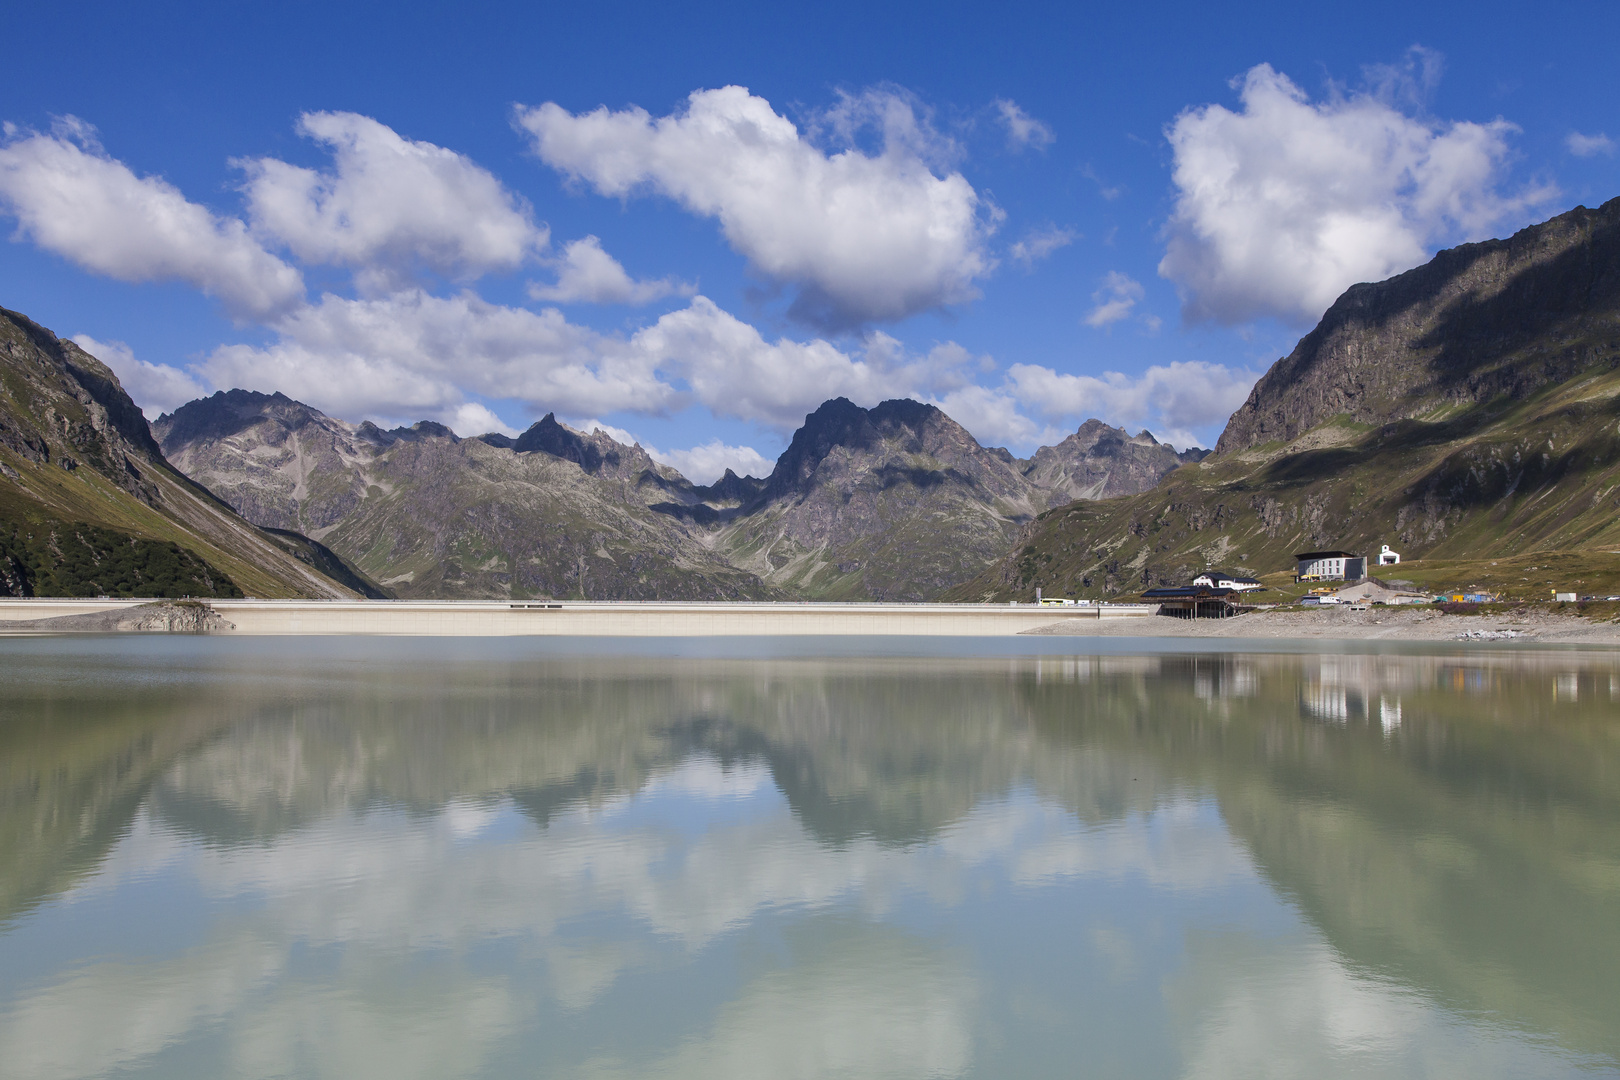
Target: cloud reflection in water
{"type": "Point", "coordinates": [723, 897]}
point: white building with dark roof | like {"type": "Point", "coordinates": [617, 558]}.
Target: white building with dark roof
{"type": "Point", "coordinates": [1227, 579]}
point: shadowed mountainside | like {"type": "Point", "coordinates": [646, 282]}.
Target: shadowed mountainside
{"type": "Point", "coordinates": [1501, 319]}
{"type": "Point", "coordinates": [89, 505]}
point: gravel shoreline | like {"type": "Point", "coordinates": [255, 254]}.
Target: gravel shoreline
{"type": "Point", "coordinates": [1374, 624]}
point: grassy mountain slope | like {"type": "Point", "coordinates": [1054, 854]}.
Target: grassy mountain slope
{"type": "Point", "coordinates": [1467, 409]}
{"type": "Point", "coordinates": [89, 505]}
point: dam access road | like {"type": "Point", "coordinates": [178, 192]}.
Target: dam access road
{"type": "Point", "coordinates": [587, 618]}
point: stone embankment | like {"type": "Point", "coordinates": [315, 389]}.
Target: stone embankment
{"type": "Point", "coordinates": [159, 617]}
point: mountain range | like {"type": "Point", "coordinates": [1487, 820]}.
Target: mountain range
{"type": "Point", "coordinates": [896, 502]}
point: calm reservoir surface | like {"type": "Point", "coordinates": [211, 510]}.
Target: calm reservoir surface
{"type": "Point", "coordinates": [431, 858]}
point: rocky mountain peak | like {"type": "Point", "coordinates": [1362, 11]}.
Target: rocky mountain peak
{"type": "Point", "coordinates": [1090, 435]}
{"type": "Point", "coordinates": [374, 436]}
{"type": "Point", "coordinates": [69, 369]}
{"type": "Point", "coordinates": [1100, 461]}
{"type": "Point", "coordinates": [423, 429]}
{"type": "Point", "coordinates": [557, 440]}
{"type": "Point", "coordinates": [731, 490]}
{"type": "Point", "coordinates": [229, 412]}
{"type": "Point", "coordinates": [597, 453]}
{"type": "Point", "coordinates": [900, 426]}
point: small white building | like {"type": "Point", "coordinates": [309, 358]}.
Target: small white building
{"type": "Point", "coordinates": [1387, 557]}
{"type": "Point", "coordinates": [1226, 579]}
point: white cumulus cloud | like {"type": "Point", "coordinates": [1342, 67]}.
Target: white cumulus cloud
{"type": "Point", "coordinates": [1037, 244]}
{"type": "Point", "coordinates": [1173, 400]}
{"type": "Point", "coordinates": [71, 198]}
{"type": "Point", "coordinates": [707, 463]}
{"type": "Point", "coordinates": [735, 372]}
{"type": "Point", "coordinates": [1023, 130]}
{"type": "Point", "coordinates": [1589, 145]}
{"type": "Point", "coordinates": [995, 417]}
{"type": "Point", "coordinates": [864, 237]}
{"type": "Point", "coordinates": [617, 434]}
{"type": "Point", "coordinates": [870, 1005]}
{"type": "Point", "coordinates": [587, 273]}
{"type": "Point", "coordinates": [475, 418]}
{"type": "Point", "coordinates": [1285, 203]}
{"type": "Point", "coordinates": [389, 205]}
{"type": "Point", "coordinates": [415, 354]}
{"type": "Point", "coordinates": [156, 388]}
{"type": "Point", "coordinates": [1114, 301]}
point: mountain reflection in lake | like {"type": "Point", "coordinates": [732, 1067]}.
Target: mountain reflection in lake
{"type": "Point", "coordinates": [419, 858]}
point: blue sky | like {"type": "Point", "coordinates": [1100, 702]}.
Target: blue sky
{"type": "Point", "coordinates": [1029, 215]}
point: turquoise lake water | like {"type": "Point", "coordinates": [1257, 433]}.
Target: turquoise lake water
{"type": "Point", "coordinates": [806, 858]}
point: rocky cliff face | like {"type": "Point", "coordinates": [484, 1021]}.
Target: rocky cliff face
{"type": "Point", "coordinates": [1466, 409]}
{"type": "Point", "coordinates": [238, 445]}
{"type": "Point", "coordinates": [89, 505]}
{"type": "Point", "coordinates": [1500, 318]}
